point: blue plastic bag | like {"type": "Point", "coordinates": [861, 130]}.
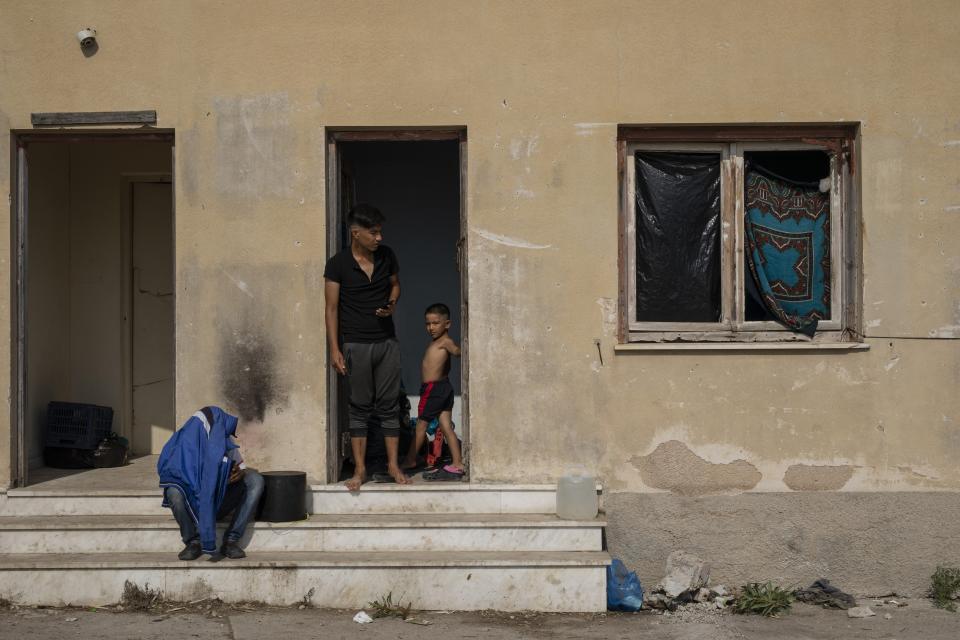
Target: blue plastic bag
{"type": "Point", "coordinates": [624, 591]}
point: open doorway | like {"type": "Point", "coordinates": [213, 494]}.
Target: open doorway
{"type": "Point", "coordinates": [94, 287]}
{"type": "Point", "coordinates": [415, 178]}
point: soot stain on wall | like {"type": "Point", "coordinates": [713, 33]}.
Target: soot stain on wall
{"type": "Point", "coordinates": [249, 377]}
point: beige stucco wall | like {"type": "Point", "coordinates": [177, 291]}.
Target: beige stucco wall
{"type": "Point", "coordinates": [249, 88]}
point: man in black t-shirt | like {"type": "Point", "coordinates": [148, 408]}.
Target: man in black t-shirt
{"type": "Point", "coordinates": [361, 290]}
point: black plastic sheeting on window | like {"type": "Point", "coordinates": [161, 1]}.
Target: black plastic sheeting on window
{"type": "Point", "coordinates": [678, 237]}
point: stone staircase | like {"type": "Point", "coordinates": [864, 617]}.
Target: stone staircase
{"type": "Point", "coordinates": [451, 546]}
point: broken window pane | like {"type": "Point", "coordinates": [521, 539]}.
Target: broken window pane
{"type": "Point", "coordinates": [678, 236]}
{"type": "Point", "coordinates": [787, 228]}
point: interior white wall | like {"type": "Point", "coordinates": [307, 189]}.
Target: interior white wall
{"type": "Point", "coordinates": [48, 288]}
{"type": "Point", "coordinates": [417, 187]}
{"type": "Point", "coordinates": [76, 302]}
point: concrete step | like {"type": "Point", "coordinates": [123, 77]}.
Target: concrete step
{"type": "Point", "coordinates": [506, 581]}
{"type": "Point", "coordinates": [423, 497]}
{"type": "Point", "coordinates": [440, 497]}
{"type": "Point", "coordinates": [328, 533]}
{"type": "Point", "coordinates": [80, 502]}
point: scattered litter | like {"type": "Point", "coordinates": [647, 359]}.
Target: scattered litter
{"type": "Point", "coordinates": [302, 607]}
{"type": "Point", "coordinates": [887, 616]}
{"type": "Point", "coordinates": [71, 619]}
{"type": "Point", "coordinates": [860, 612]}
{"type": "Point", "coordinates": [825, 594]}
{"type": "Point", "coordinates": [419, 621]}
{"type": "Point", "coordinates": [362, 618]}
{"type": "Point", "coordinates": [624, 591]}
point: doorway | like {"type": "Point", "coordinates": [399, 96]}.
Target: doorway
{"type": "Point", "coordinates": [415, 177]}
{"type": "Point", "coordinates": [93, 304]}
{"type": "Point", "coordinates": [151, 319]}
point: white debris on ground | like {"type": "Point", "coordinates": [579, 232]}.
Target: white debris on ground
{"type": "Point", "coordinates": [362, 617]}
{"type": "Point", "coordinates": [685, 590]}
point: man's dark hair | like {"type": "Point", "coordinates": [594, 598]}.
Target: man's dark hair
{"type": "Point", "coordinates": [365, 215]}
{"type": "Point", "coordinates": [438, 308]}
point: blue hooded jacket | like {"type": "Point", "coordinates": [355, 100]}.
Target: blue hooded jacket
{"type": "Point", "coordinates": [196, 463]}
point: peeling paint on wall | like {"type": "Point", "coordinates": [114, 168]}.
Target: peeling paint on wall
{"type": "Point", "coordinates": [238, 283]}
{"type": "Point", "coordinates": [809, 477]}
{"type": "Point", "coordinates": [608, 315]}
{"type": "Point", "coordinates": [254, 146]}
{"type": "Point", "coordinates": [674, 467]}
{"type": "Point", "coordinates": [950, 331]}
{"type": "Point", "coordinates": [507, 241]}
{"type": "Point", "coordinates": [588, 128]}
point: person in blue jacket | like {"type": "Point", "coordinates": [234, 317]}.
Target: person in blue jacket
{"type": "Point", "coordinates": [203, 478]}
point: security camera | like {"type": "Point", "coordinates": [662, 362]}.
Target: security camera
{"type": "Point", "coordinates": [87, 37]}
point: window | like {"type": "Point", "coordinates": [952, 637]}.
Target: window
{"type": "Point", "coordinates": [738, 234]}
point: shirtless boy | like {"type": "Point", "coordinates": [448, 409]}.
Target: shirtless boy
{"type": "Point", "coordinates": [436, 394]}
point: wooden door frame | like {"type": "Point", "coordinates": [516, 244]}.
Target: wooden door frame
{"type": "Point", "coordinates": [20, 140]}
{"type": "Point", "coordinates": [129, 182]}
{"type": "Point", "coordinates": [335, 136]}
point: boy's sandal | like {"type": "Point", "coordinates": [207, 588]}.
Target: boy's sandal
{"type": "Point", "coordinates": [445, 472]}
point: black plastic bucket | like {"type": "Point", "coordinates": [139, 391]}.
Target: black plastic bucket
{"type": "Point", "coordinates": [284, 496]}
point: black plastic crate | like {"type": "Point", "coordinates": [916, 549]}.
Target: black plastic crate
{"type": "Point", "coordinates": [78, 426]}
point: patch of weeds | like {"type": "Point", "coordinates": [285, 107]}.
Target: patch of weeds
{"type": "Point", "coordinates": [763, 599]}
{"type": "Point", "coordinates": [386, 607]}
{"type": "Point", "coordinates": [5, 603]}
{"type": "Point", "coordinates": [137, 598]}
{"type": "Point", "coordinates": [944, 587]}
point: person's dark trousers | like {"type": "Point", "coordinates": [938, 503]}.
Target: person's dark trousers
{"type": "Point", "coordinates": [373, 373]}
{"type": "Point", "coordinates": [242, 498]}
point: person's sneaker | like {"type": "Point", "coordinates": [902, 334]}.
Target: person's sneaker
{"type": "Point", "coordinates": [232, 550]}
{"type": "Point", "coordinates": [191, 552]}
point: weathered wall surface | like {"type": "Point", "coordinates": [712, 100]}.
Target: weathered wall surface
{"type": "Point", "coordinates": [866, 543]}
{"type": "Point", "coordinates": [249, 89]}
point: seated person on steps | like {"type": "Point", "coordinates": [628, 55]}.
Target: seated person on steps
{"type": "Point", "coordinates": [203, 478]}
{"type": "Point", "coordinates": [436, 394]}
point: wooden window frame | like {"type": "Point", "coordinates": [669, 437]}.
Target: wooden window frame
{"type": "Point", "coordinates": [731, 142]}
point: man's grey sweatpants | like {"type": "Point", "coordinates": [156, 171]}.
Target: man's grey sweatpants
{"type": "Point", "coordinates": [373, 375]}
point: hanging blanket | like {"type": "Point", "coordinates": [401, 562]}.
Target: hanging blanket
{"type": "Point", "coordinates": [788, 249]}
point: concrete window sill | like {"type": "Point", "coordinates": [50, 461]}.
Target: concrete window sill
{"type": "Point", "coordinates": [638, 347]}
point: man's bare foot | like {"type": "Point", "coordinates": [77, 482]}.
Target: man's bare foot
{"type": "Point", "coordinates": [398, 475]}
{"type": "Point", "coordinates": [353, 484]}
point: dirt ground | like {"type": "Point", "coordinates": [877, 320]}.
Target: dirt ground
{"type": "Point", "coordinates": [919, 620]}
